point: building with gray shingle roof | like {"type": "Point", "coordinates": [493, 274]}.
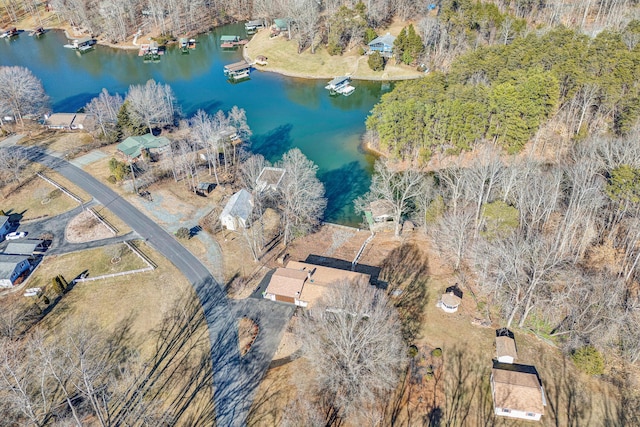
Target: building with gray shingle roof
{"type": "Point", "coordinates": [11, 267]}
{"type": "Point", "coordinates": [24, 247]}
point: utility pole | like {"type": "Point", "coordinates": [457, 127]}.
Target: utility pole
{"type": "Point", "coordinates": [133, 175]}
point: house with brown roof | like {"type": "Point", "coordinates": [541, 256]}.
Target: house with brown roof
{"type": "Point", "coordinates": [67, 121]}
{"type": "Point", "coordinates": [304, 284]}
{"type": "Point", "coordinates": [517, 391]}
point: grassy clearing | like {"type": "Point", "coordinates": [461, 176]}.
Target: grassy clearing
{"type": "Point", "coordinates": [284, 59]}
{"type": "Point", "coordinates": [140, 300]}
{"type": "Point", "coordinates": [98, 261]}
{"type": "Point", "coordinates": [37, 198]}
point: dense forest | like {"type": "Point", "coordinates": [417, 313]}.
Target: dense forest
{"type": "Point", "coordinates": [504, 94]}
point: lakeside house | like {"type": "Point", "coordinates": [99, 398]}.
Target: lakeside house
{"type": "Point", "coordinates": [133, 146]}
{"type": "Point", "coordinates": [281, 24]}
{"type": "Point", "coordinates": [11, 267]}
{"type": "Point", "coordinates": [304, 284]}
{"type": "Point", "coordinates": [67, 121]}
{"type": "Point", "coordinates": [383, 45]}
{"type": "Point", "coordinates": [254, 25]}
{"type": "Point", "coordinates": [517, 391]}
{"type": "Point", "coordinates": [5, 226]}
{"type": "Point", "coordinates": [237, 211]}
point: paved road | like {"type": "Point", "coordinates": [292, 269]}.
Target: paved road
{"type": "Point", "coordinates": [234, 381]}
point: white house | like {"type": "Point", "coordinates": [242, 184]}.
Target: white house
{"type": "Point", "coordinates": [5, 225]}
{"type": "Point", "coordinates": [517, 391]}
{"type": "Point", "coordinates": [237, 211]}
{"type": "Point", "coordinates": [11, 267]}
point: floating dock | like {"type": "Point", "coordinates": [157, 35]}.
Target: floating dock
{"type": "Point", "coordinates": [340, 86]}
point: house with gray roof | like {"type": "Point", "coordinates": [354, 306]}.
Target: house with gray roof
{"type": "Point", "coordinates": [11, 267]}
{"type": "Point", "coordinates": [382, 44]}
{"type": "Point", "coordinates": [237, 211]}
{"type": "Point", "coordinates": [133, 146]}
{"type": "Point", "coordinates": [25, 247]}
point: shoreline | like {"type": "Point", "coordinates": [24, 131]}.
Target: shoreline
{"type": "Point", "coordinates": [129, 46]}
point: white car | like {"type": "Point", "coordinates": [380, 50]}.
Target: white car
{"type": "Point", "coordinates": [16, 235]}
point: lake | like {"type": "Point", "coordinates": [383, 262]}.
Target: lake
{"type": "Point", "coordinates": [282, 112]}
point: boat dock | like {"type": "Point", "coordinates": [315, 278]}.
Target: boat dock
{"type": "Point", "coordinates": [340, 86]}
{"type": "Point", "coordinates": [11, 32]}
{"type": "Point", "coordinates": [232, 42]}
{"type": "Point", "coordinates": [237, 71]}
{"type": "Point", "coordinates": [184, 44]}
{"type": "Point", "coordinates": [151, 52]}
{"type": "Point", "coordinates": [251, 27]}
{"type": "Point", "coordinates": [81, 45]}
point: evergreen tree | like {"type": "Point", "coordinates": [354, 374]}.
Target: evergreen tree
{"type": "Point", "coordinates": [376, 61]}
{"type": "Point", "coordinates": [57, 286]}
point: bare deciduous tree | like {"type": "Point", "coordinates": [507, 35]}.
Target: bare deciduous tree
{"type": "Point", "coordinates": [105, 108]}
{"type": "Point", "coordinates": [152, 104]}
{"type": "Point", "coordinates": [302, 195]}
{"type": "Point", "coordinates": [21, 93]}
{"type": "Point", "coordinates": [397, 187]}
{"type": "Point", "coordinates": [352, 339]}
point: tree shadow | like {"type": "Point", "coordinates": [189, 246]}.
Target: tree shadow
{"type": "Point", "coordinates": [342, 186]}
{"type": "Point", "coordinates": [407, 271]}
{"type": "Point", "coordinates": [273, 143]}
{"type": "Point", "coordinates": [341, 264]}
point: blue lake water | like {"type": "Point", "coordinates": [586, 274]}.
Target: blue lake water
{"type": "Point", "coordinates": [282, 112]}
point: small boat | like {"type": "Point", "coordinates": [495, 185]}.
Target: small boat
{"type": "Point", "coordinates": [191, 44]}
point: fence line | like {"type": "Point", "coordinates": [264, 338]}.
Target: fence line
{"type": "Point", "coordinates": [142, 255]}
{"type": "Point", "coordinates": [364, 245]}
{"type": "Point", "coordinates": [104, 221]}
{"type": "Point", "coordinates": [108, 276]}
{"type": "Point", "coordinates": [60, 187]}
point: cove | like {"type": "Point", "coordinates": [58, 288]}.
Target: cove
{"type": "Point", "coordinates": [282, 112]}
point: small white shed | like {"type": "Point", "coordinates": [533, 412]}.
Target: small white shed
{"type": "Point", "coordinates": [237, 211]}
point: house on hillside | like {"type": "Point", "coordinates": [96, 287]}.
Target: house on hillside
{"type": "Point", "coordinates": [269, 178]}
{"type": "Point", "coordinates": [382, 44]}
{"type": "Point", "coordinates": [281, 24]}
{"type": "Point", "coordinates": [11, 267]}
{"type": "Point", "coordinates": [26, 247]}
{"type": "Point", "coordinates": [304, 284]}
{"type": "Point", "coordinates": [132, 147]}
{"type": "Point", "coordinates": [68, 121]}
{"type": "Point", "coordinates": [237, 211]}
{"type": "Point", "coordinates": [5, 226]}
{"type": "Point", "coordinates": [517, 391]}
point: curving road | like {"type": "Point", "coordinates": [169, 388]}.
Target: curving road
{"type": "Point", "coordinates": [234, 384]}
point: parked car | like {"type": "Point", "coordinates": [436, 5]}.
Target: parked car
{"type": "Point", "coordinates": [16, 235]}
